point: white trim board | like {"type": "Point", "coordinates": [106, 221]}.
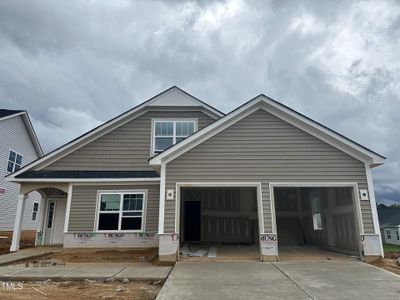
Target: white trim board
{"type": "Point", "coordinates": [356, 201]}
{"type": "Point", "coordinates": [280, 111]}
{"type": "Point", "coordinates": [106, 128]}
{"type": "Point", "coordinates": [31, 131]}
{"type": "Point", "coordinates": [116, 191]}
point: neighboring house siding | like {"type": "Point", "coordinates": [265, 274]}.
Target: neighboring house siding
{"type": "Point", "coordinates": [264, 148]}
{"type": "Point", "coordinates": [393, 233]}
{"type": "Point", "coordinates": [125, 148]}
{"type": "Point", "coordinates": [14, 136]}
{"type": "Point", "coordinates": [83, 205]}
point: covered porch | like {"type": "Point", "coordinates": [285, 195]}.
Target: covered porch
{"type": "Point", "coordinates": [53, 213]}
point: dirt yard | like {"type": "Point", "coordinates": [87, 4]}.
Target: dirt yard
{"type": "Point", "coordinates": [105, 255]}
{"type": "Point", "coordinates": [27, 240]}
{"type": "Point", "coordinates": [79, 290]}
{"type": "Point", "coordinates": [389, 262]}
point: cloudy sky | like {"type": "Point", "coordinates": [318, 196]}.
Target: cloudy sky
{"type": "Point", "coordinates": [75, 64]}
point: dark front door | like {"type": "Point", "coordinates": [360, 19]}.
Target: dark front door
{"type": "Point", "coordinates": [192, 216]}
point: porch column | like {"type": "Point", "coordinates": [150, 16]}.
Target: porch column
{"type": "Point", "coordinates": [18, 223]}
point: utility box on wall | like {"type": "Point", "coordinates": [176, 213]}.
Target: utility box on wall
{"type": "Point", "coordinates": [364, 195]}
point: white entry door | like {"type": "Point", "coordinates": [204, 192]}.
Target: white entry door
{"type": "Point", "coordinates": [54, 222]}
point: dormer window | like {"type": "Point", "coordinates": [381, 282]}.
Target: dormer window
{"type": "Point", "coordinates": [168, 132]}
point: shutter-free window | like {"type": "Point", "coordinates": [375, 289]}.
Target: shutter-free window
{"type": "Point", "coordinates": [14, 161]}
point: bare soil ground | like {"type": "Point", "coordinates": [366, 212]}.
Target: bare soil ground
{"type": "Point", "coordinates": [79, 290]}
{"type": "Point", "coordinates": [6, 243]}
{"type": "Point", "coordinates": [389, 262]}
{"type": "Point", "coordinates": [104, 255]}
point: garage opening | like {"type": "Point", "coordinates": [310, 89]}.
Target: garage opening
{"type": "Point", "coordinates": [316, 223]}
{"type": "Point", "coordinates": [219, 223]}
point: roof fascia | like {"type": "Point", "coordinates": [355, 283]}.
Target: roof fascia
{"type": "Point", "coordinates": [296, 119]}
{"type": "Point", "coordinates": [100, 131]}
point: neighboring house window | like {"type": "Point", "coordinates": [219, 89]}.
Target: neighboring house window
{"type": "Point", "coordinates": [169, 132]}
{"type": "Point", "coordinates": [14, 161]}
{"type": "Point", "coordinates": [388, 234]}
{"type": "Point", "coordinates": [35, 210]}
{"type": "Point", "coordinates": [316, 211]}
{"type": "Point", "coordinates": [398, 234]}
{"type": "Point", "coordinates": [121, 211]}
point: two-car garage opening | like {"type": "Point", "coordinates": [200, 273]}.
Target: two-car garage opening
{"type": "Point", "coordinates": [311, 222]}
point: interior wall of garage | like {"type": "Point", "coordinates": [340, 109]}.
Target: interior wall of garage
{"type": "Point", "coordinates": [295, 221]}
{"type": "Point", "coordinates": [228, 215]}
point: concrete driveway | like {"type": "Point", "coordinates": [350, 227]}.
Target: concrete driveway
{"type": "Point", "coordinates": [285, 280]}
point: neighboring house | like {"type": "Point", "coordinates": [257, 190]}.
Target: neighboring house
{"type": "Point", "coordinates": [18, 146]}
{"type": "Point", "coordinates": [175, 170]}
{"type": "Point", "coordinates": [389, 219]}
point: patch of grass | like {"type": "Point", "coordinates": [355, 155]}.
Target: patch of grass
{"type": "Point", "coordinates": [391, 248]}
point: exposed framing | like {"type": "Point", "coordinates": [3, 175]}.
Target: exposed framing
{"type": "Point", "coordinates": [144, 214]}
{"type": "Point", "coordinates": [257, 185]}
{"type": "Point", "coordinates": [356, 201]}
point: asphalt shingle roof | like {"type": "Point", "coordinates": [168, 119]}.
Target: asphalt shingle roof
{"type": "Point", "coordinates": [88, 174]}
{"type": "Point", "coordinates": [8, 112]}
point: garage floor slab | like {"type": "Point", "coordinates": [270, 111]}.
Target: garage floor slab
{"type": "Point", "coordinates": [283, 280]}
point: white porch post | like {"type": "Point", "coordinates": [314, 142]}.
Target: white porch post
{"type": "Point", "coordinates": [18, 223]}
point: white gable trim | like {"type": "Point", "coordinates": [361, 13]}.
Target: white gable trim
{"type": "Point", "coordinates": [281, 112]}
{"type": "Point", "coordinates": [102, 130]}
{"type": "Point", "coordinates": [35, 141]}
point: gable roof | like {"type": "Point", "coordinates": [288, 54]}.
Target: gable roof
{"type": "Point", "coordinates": [281, 111]}
{"type": "Point", "coordinates": [114, 123]}
{"type": "Point", "coordinates": [389, 216]}
{"type": "Point", "coordinates": [7, 113]}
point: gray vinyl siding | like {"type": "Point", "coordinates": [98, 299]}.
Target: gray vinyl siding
{"type": "Point", "coordinates": [14, 135]}
{"type": "Point", "coordinates": [263, 148]}
{"type": "Point", "coordinates": [126, 147]}
{"type": "Point", "coordinates": [83, 205]}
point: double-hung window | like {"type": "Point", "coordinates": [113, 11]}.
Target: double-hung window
{"type": "Point", "coordinates": [388, 234]}
{"type": "Point", "coordinates": [169, 132]}
{"type": "Point", "coordinates": [14, 161]}
{"type": "Point", "coordinates": [121, 211]}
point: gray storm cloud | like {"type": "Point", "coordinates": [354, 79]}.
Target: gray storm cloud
{"type": "Point", "coordinates": [335, 61]}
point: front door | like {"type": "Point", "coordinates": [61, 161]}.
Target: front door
{"type": "Point", "coordinates": [54, 222]}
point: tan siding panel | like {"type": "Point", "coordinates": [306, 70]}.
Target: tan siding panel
{"type": "Point", "coordinates": [125, 148]}
{"type": "Point", "coordinates": [264, 148]}
{"type": "Point", "coordinates": [83, 205]}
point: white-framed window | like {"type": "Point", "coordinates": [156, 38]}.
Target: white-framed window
{"type": "Point", "coordinates": [121, 211]}
{"type": "Point", "coordinates": [388, 234]}
{"type": "Point", "coordinates": [316, 210]}
{"type": "Point", "coordinates": [35, 210]}
{"type": "Point", "coordinates": [168, 132]}
{"type": "Point", "coordinates": [398, 234]}
{"type": "Point", "coordinates": [14, 161]}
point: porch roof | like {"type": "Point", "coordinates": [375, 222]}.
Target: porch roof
{"type": "Point", "coordinates": [86, 174]}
